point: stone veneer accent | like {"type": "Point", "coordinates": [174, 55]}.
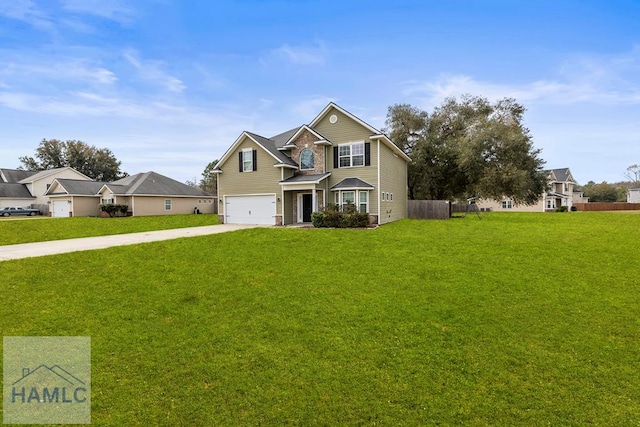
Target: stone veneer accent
{"type": "Point", "coordinates": [306, 140]}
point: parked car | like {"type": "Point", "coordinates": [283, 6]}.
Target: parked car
{"type": "Point", "coordinates": [18, 210]}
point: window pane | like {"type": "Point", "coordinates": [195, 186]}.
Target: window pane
{"type": "Point", "coordinates": [363, 208]}
{"type": "Point", "coordinates": [344, 150]}
{"type": "Point", "coordinates": [345, 162]}
{"type": "Point", "coordinates": [363, 197]}
{"type": "Point", "coordinates": [306, 159]}
{"type": "Point", "coordinates": [247, 161]}
{"type": "Point", "coordinates": [348, 197]}
{"type": "Point", "coordinates": [357, 149]}
{"type": "Point", "coordinates": [358, 160]}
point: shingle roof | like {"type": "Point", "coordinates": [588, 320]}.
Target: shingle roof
{"type": "Point", "coordinates": [14, 175]}
{"type": "Point", "coordinates": [152, 183]}
{"type": "Point", "coordinates": [81, 187]}
{"type": "Point", "coordinates": [561, 174]}
{"type": "Point", "coordinates": [270, 146]}
{"type": "Point", "coordinates": [41, 174]}
{"type": "Point", "coordinates": [282, 138]}
{"type": "Point", "coordinates": [306, 178]}
{"type": "Point", "coordinates": [14, 190]}
{"type": "Point", "coordinates": [351, 183]}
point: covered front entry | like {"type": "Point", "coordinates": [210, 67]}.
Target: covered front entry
{"type": "Point", "coordinates": [303, 195]}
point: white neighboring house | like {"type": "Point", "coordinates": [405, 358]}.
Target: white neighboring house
{"type": "Point", "coordinates": [27, 188]}
{"type": "Point", "coordinates": [560, 192]}
{"type": "Point", "coordinates": [633, 195]}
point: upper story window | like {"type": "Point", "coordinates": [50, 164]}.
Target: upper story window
{"type": "Point", "coordinates": [306, 159]}
{"type": "Point", "coordinates": [351, 155]}
{"type": "Point", "coordinates": [248, 160]}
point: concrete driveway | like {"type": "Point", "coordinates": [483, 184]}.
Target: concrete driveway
{"type": "Point", "coordinates": [27, 250]}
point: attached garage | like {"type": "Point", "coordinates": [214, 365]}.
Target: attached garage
{"type": "Point", "coordinates": [255, 209]}
{"type": "Point", "coordinates": [61, 208]}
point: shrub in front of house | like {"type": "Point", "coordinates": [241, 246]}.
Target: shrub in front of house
{"type": "Point", "coordinates": [333, 217]}
{"type": "Point", "coordinates": [114, 209]}
{"type": "Point", "coordinates": [561, 209]}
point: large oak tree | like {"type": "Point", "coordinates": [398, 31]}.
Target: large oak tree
{"type": "Point", "coordinates": [97, 163]}
{"type": "Point", "coordinates": [468, 147]}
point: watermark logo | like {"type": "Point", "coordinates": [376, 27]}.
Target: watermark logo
{"type": "Point", "coordinates": [47, 380]}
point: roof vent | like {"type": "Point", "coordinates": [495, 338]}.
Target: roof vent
{"type": "Point", "coordinates": [333, 118]}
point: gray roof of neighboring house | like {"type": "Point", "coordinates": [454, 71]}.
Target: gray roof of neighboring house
{"type": "Point", "coordinates": [41, 174]}
{"type": "Point", "coordinates": [79, 187]}
{"type": "Point", "coordinates": [13, 190]}
{"type": "Point", "coordinates": [306, 178]}
{"type": "Point", "coordinates": [351, 183]}
{"type": "Point", "coordinates": [561, 174]}
{"type": "Point", "coordinates": [152, 183]}
{"type": "Point", "coordinates": [14, 175]}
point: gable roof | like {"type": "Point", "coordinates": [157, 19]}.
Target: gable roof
{"type": "Point", "coordinates": [13, 190]}
{"type": "Point", "coordinates": [267, 144]}
{"type": "Point", "coordinates": [48, 172]}
{"type": "Point", "coordinates": [74, 187]}
{"type": "Point", "coordinates": [14, 175]}
{"type": "Point", "coordinates": [152, 184]}
{"type": "Point", "coordinates": [375, 133]}
{"type": "Point", "coordinates": [562, 174]}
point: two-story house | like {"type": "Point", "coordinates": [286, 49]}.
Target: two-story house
{"type": "Point", "coordinates": [335, 159]}
{"type": "Point", "coordinates": [561, 190]}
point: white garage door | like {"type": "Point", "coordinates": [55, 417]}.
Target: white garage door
{"type": "Point", "coordinates": [61, 209]}
{"type": "Point", "coordinates": [250, 209]}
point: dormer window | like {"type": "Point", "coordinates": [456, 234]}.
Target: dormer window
{"type": "Point", "coordinates": [306, 159]}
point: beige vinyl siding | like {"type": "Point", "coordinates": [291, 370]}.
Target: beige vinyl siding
{"type": "Point", "coordinates": [393, 180]}
{"type": "Point", "coordinates": [85, 206]}
{"type": "Point", "coordinates": [263, 181]}
{"type": "Point", "coordinates": [497, 206]}
{"type": "Point", "coordinates": [154, 205]}
{"type": "Point", "coordinates": [288, 213]}
{"type": "Point", "coordinates": [368, 174]}
{"type": "Point", "coordinates": [344, 130]}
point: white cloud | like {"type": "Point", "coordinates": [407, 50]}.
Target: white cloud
{"type": "Point", "coordinates": [609, 80]}
{"type": "Point", "coordinates": [73, 70]}
{"type": "Point", "coordinates": [151, 71]}
{"type": "Point", "coordinates": [26, 11]}
{"type": "Point", "coordinates": [299, 55]}
{"type": "Point", "coordinates": [115, 10]}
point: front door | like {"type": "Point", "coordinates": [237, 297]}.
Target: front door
{"type": "Point", "coordinates": [307, 207]}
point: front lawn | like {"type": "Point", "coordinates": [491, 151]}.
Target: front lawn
{"type": "Point", "coordinates": [41, 229]}
{"type": "Point", "coordinates": [515, 319]}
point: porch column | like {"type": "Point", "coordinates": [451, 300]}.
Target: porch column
{"type": "Point", "coordinates": [314, 200]}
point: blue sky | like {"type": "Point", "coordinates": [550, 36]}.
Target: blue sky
{"type": "Point", "coordinates": [168, 85]}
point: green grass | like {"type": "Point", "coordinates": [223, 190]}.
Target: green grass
{"type": "Point", "coordinates": [26, 230]}
{"type": "Point", "coordinates": [517, 319]}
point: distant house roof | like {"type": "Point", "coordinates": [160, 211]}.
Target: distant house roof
{"type": "Point", "coordinates": [45, 173]}
{"type": "Point", "coordinates": [153, 184]}
{"type": "Point", "coordinates": [77, 187]}
{"type": "Point", "coordinates": [13, 190]}
{"type": "Point", "coordinates": [14, 175]}
{"type": "Point", "coordinates": [351, 183]}
{"type": "Point", "coordinates": [562, 175]}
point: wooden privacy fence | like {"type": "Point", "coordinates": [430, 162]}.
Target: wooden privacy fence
{"type": "Point", "coordinates": [607, 206]}
{"type": "Point", "coordinates": [428, 209]}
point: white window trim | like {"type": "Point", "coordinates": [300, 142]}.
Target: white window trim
{"type": "Point", "coordinates": [245, 152]}
{"type": "Point", "coordinates": [351, 156]}
{"type": "Point", "coordinates": [170, 204]}
{"type": "Point", "coordinates": [356, 198]}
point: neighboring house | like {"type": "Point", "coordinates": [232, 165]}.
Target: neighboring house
{"type": "Point", "coordinates": [27, 188]}
{"type": "Point", "coordinates": [335, 159]}
{"type": "Point", "coordinates": [146, 193]}
{"type": "Point", "coordinates": [633, 195]}
{"type": "Point", "coordinates": [560, 192]}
